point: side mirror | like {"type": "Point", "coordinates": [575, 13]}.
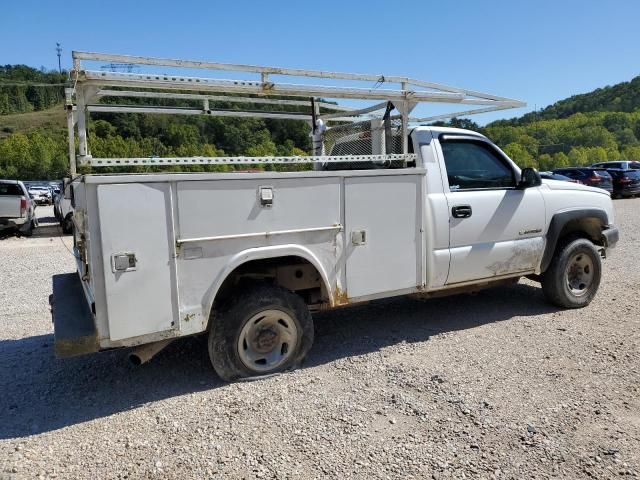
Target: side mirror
{"type": "Point", "coordinates": [529, 177]}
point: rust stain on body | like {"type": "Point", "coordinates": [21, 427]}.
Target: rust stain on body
{"type": "Point", "coordinates": [340, 297]}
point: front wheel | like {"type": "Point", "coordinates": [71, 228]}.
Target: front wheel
{"type": "Point", "coordinates": [264, 330]}
{"type": "Point", "coordinates": [573, 278]}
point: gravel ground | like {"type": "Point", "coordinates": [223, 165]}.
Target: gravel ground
{"type": "Point", "coordinates": [495, 385]}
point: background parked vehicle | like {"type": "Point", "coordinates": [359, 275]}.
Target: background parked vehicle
{"type": "Point", "coordinates": [40, 194]}
{"type": "Point", "coordinates": [620, 164]}
{"type": "Point", "coordinates": [557, 176]}
{"type": "Point", "coordinates": [594, 177]}
{"type": "Point", "coordinates": [63, 211]}
{"type": "Point", "coordinates": [17, 210]}
{"type": "Point", "coordinates": [626, 183]}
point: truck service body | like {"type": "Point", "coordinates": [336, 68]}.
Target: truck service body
{"type": "Point", "coordinates": [246, 256]}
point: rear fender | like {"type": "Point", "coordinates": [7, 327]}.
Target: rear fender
{"type": "Point", "coordinates": [262, 253]}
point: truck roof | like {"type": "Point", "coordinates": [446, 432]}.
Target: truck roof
{"type": "Point", "coordinates": [451, 130]}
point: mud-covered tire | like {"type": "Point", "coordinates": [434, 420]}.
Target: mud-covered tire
{"type": "Point", "coordinates": [250, 324]}
{"type": "Point", "coordinates": [573, 277]}
{"type": "Point", "coordinates": [67, 225]}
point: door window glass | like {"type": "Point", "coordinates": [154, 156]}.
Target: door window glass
{"type": "Point", "coordinates": [472, 165]}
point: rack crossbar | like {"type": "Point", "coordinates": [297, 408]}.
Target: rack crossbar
{"type": "Point", "coordinates": [242, 160]}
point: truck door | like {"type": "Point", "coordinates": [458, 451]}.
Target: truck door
{"type": "Point", "coordinates": [494, 228]}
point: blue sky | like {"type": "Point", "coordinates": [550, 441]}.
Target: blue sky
{"type": "Point", "coordinates": [537, 51]}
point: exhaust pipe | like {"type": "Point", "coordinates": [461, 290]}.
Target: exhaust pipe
{"type": "Point", "coordinates": [144, 353]}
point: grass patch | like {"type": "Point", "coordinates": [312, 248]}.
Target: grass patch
{"type": "Point", "coordinates": [54, 118]}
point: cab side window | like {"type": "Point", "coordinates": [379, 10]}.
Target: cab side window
{"type": "Point", "coordinates": [472, 165]}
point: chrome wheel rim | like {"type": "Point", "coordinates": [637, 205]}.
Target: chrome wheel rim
{"type": "Point", "coordinates": [267, 340]}
{"type": "Point", "coordinates": [579, 274]}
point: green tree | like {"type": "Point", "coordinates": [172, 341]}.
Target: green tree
{"type": "Point", "coordinates": [560, 159]}
{"type": "Point", "coordinates": [520, 155]}
{"type": "Point", "coordinates": [545, 162]}
{"type": "Point", "coordinates": [578, 157]}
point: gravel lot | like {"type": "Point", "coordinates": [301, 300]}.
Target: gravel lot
{"type": "Point", "coordinates": [496, 385]}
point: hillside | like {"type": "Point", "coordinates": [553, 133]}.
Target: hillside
{"type": "Point", "coordinates": [622, 97]}
{"type": "Point", "coordinates": [52, 119]}
{"type": "Point", "coordinates": [583, 129]}
{"type": "Point", "coordinates": [25, 89]}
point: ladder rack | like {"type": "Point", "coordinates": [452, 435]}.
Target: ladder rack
{"type": "Point", "coordinates": [401, 94]}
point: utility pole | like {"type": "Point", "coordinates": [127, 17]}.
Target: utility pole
{"type": "Point", "coordinates": [59, 52]}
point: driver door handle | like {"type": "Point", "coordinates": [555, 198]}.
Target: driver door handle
{"type": "Point", "coordinates": [461, 211]}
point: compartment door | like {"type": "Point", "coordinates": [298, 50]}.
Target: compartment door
{"type": "Point", "coordinates": [383, 234]}
{"type": "Point", "coordinates": [136, 229]}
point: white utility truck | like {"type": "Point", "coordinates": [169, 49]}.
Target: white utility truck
{"type": "Point", "coordinates": [384, 210]}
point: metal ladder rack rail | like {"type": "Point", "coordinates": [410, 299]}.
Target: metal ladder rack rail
{"type": "Point", "coordinates": [90, 86]}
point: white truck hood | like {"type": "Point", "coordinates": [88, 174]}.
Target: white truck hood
{"type": "Point", "coordinates": [562, 185]}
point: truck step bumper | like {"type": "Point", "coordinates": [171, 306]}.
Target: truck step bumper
{"type": "Point", "coordinates": [74, 329]}
{"type": "Point", "coordinates": [610, 236]}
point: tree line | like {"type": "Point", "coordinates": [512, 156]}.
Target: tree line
{"type": "Point", "coordinates": [556, 137]}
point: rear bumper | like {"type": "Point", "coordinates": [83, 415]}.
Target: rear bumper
{"type": "Point", "coordinates": [12, 222]}
{"type": "Point", "coordinates": [628, 191]}
{"type": "Point", "coordinates": [610, 236]}
{"type": "Point", "coordinates": [73, 324]}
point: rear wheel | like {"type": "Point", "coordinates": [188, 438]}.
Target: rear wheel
{"type": "Point", "coordinates": [265, 330]}
{"type": "Point", "coordinates": [573, 278]}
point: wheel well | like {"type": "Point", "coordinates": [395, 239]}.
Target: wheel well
{"type": "Point", "coordinates": [573, 224]}
{"type": "Point", "coordinates": [291, 272]}
{"type": "Point", "coordinates": [589, 228]}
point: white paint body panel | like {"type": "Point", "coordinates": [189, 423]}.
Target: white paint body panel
{"type": "Point", "coordinates": [388, 259]}
{"type": "Point", "coordinates": [494, 240]}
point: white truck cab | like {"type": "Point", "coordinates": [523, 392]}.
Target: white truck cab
{"type": "Point", "coordinates": [247, 257]}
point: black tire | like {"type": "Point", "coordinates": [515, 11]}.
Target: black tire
{"type": "Point", "coordinates": [28, 232]}
{"type": "Point", "coordinates": [565, 271]}
{"type": "Point", "coordinates": [230, 322]}
{"type": "Point", "coordinates": [67, 225]}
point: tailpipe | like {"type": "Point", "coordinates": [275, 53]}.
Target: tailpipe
{"type": "Point", "coordinates": [144, 353]}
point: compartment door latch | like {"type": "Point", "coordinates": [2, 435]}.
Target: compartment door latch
{"type": "Point", "coordinates": [123, 262]}
{"type": "Point", "coordinates": [358, 237]}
